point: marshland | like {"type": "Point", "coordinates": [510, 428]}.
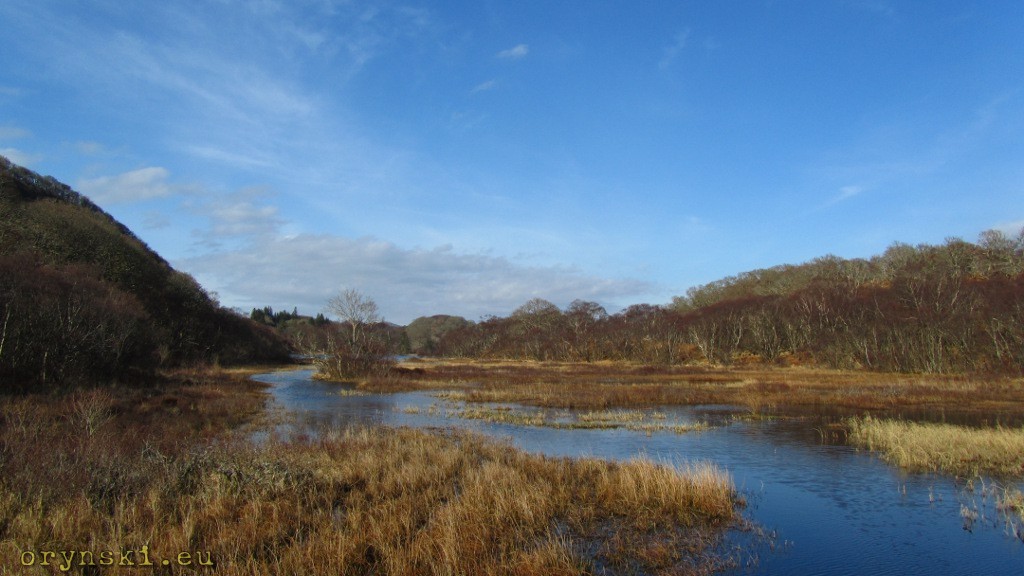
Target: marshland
{"type": "Point", "coordinates": [176, 468]}
{"type": "Point", "coordinates": [841, 417]}
{"type": "Point", "coordinates": [822, 498]}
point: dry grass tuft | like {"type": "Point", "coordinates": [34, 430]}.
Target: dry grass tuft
{"type": "Point", "coordinates": [942, 447]}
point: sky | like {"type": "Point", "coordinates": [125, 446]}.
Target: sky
{"type": "Point", "coordinates": [466, 157]}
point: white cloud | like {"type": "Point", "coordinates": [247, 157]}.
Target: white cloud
{"type": "Point", "coordinates": [1011, 229]}
{"type": "Point", "coordinates": [156, 221]}
{"type": "Point", "coordinates": [484, 86]}
{"type": "Point", "coordinates": [89, 148]}
{"type": "Point", "coordinates": [135, 186]}
{"type": "Point", "coordinates": [848, 192]}
{"type": "Point", "coordinates": [305, 270]}
{"type": "Point", "coordinates": [19, 157]}
{"type": "Point", "coordinates": [13, 133]}
{"type": "Point", "coordinates": [240, 215]}
{"type": "Point", "coordinates": [230, 157]}
{"type": "Point", "coordinates": [514, 53]}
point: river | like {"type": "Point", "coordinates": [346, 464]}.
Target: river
{"type": "Point", "coordinates": [830, 508]}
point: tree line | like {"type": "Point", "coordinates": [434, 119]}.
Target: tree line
{"type": "Point", "coordinates": [282, 318]}
{"type": "Point", "coordinates": [951, 308]}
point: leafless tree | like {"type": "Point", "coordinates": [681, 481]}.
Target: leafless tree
{"type": "Point", "coordinates": [356, 310]}
{"type": "Point", "coordinates": [364, 349]}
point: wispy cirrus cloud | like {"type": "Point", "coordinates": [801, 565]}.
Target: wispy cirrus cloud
{"type": "Point", "coordinates": [672, 51]}
{"type": "Point", "coordinates": [20, 157]}
{"type": "Point", "coordinates": [514, 53]}
{"type": "Point", "coordinates": [90, 148]}
{"type": "Point", "coordinates": [892, 154]}
{"type": "Point", "coordinates": [484, 86]}
{"type": "Point", "coordinates": [1011, 229]}
{"type": "Point", "coordinates": [14, 154]}
{"type": "Point", "coordinates": [847, 192]}
{"type": "Point", "coordinates": [13, 133]}
{"type": "Point", "coordinates": [134, 186]}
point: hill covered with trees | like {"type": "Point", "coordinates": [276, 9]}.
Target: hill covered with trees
{"type": "Point", "coordinates": [951, 308]}
{"type": "Point", "coordinates": [82, 298]}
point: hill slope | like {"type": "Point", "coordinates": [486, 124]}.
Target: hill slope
{"type": "Point", "coordinates": [952, 308]}
{"type": "Point", "coordinates": [82, 297]}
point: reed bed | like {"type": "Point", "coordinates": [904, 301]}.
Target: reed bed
{"type": "Point", "coordinates": [157, 471]}
{"type": "Point", "coordinates": [634, 420]}
{"type": "Point", "coordinates": [945, 448]}
{"type": "Point", "coordinates": [764, 391]}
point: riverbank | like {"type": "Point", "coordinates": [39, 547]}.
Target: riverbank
{"type": "Point", "coordinates": [169, 475]}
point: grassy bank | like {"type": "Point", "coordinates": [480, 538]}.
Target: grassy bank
{"type": "Point", "coordinates": [942, 447]}
{"type": "Point", "coordinates": [165, 473]}
{"type": "Point", "coordinates": [603, 385]}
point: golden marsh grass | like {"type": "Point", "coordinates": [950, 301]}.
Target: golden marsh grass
{"type": "Point", "coordinates": [945, 448]}
{"type": "Point", "coordinates": [595, 420]}
{"type": "Point", "coordinates": [95, 471]}
{"type": "Point", "coordinates": [763, 391]}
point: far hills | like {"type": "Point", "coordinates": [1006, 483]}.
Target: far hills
{"type": "Point", "coordinates": [82, 298]}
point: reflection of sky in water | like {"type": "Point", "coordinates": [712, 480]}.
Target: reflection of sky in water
{"type": "Point", "coordinates": [838, 511]}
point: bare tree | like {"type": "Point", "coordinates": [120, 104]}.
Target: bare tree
{"type": "Point", "coordinates": [364, 349]}
{"type": "Point", "coordinates": [356, 310]}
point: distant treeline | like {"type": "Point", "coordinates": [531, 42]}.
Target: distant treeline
{"type": "Point", "coordinates": [953, 308]}
{"type": "Point", "coordinates": [282, 318]}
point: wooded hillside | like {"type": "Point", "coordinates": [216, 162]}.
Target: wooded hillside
{"type": "Point", "coordinates": [81, 297]}
{"type": "Point", "coordinates": [953, 308]}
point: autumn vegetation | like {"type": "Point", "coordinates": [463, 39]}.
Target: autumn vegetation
{"type": "Point", "coordinates": [953, 308]}
{"type": "Point", "coordinates": [121, 427]}
{"type": "Point", "coordinates": [83, 300]}
{"type": "Point", "coordinates": [936, 447]}
{"type": "Point", "coordinates": [172, 466]}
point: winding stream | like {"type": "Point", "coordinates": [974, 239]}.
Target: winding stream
{"type": "Point", "coordinates": [832, 509]}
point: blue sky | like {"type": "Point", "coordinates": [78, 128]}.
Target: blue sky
{"type": "Point", "coordinates": [464, 157]}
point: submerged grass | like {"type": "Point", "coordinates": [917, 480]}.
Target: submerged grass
{"type": "Point", "coordinates": [945, 448]}
{"type": "Point", "coordinates": [1011, 501]}
{"type": "Point", "coordinates": [101, 471]}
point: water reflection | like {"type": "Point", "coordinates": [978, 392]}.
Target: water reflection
{"type": "Point", "coordinates": [837, 510]}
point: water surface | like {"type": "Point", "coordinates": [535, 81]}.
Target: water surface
{"type": "Point", "coordinates": [832, 509]}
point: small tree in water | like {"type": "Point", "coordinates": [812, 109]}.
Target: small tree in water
{"type": "Point", "coordinates": [359, 348]}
